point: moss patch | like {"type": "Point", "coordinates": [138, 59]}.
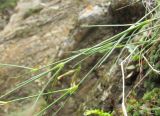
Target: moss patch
{"type": "Point", "coordinates": [148, 105]}
{"type": "Point", "coordinates": [7, 4]}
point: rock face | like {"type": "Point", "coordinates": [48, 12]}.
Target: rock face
{"type": "Point", "coordinates": [32, 31]}
{"type": "Point", "coordinates": [102, 89]}
{"type": "Point", "coordinates": [40, 31]}
{"type": "Point", "coordinates": [31, 38]}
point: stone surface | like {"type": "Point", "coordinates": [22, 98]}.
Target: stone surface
{"type": "Point", "coordinates": [31, 38]}
{"type": "Point", "coordinates": [42, 31]}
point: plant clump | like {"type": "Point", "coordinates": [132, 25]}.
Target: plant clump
{"type": "Point", "coordinates": [147, 105]}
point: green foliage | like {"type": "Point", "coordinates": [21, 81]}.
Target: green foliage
{"type": "Point", "coordinates": [149, 85]}
{"type": "Point", "coordinates": [154, 95]}
{"type": "Point", "coordinates": [7, 4]}
{"type": "Point", "coordinates": [147, 105]}
{"type": "Point", "coordinates": [96, 112]}
{"type": "Point", "coordinates": [154, 61]}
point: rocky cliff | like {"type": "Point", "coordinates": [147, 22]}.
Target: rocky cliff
{"type": "Point", "coordinates": [35, 33]}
